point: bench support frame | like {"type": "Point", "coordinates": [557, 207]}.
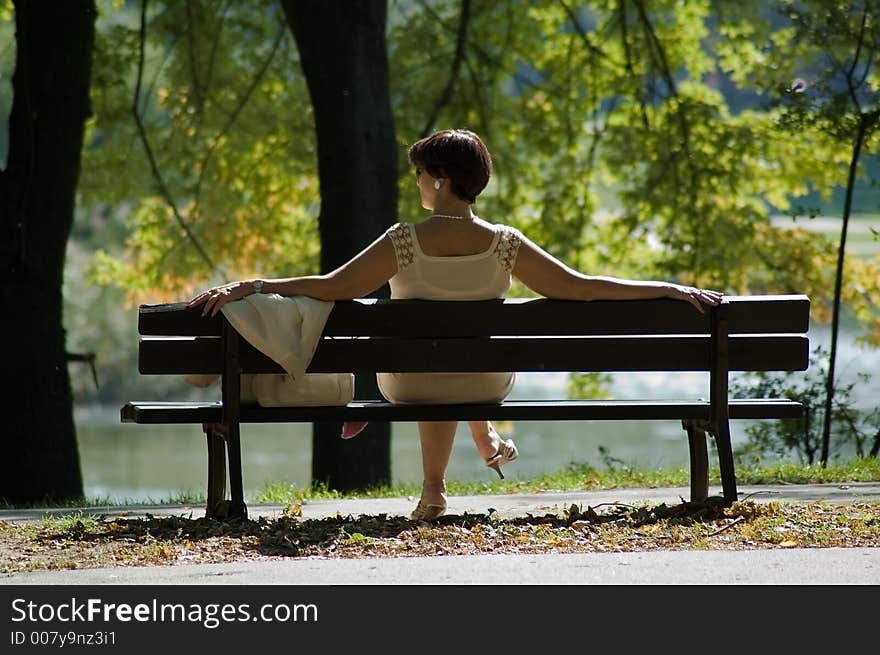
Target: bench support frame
{"type": "Point", "coordinates": [228, 433]}
{"type": "Point", "coordinates": [699, 458]}
{"type": "Point", "coordinates": [217, 505]}
{"type": "Point", "coordinates": [719, 412]}
{"type": "Point", "coordinates": [231, 394]}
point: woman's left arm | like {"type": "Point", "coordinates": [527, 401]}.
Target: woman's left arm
{"type": "Point", "coordinates": [543, 273]}
{"type": "Point", "coordinates": [362, 274]}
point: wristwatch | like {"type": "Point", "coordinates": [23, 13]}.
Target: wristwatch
{"type": "Point", "coordinates": [258, 286]}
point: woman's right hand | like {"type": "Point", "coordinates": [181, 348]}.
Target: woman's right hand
{"type": "Point", "coordinates": [213, 299]}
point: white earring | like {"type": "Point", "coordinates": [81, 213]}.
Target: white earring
{"type": "Point", "coordinates": [437, 184]}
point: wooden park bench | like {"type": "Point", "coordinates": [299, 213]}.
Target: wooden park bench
{"type": "Point", "coordinates": [744, 333]}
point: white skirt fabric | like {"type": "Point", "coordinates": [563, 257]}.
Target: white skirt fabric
{"type": "Point", "coordinates": [445, 388]}
{"type": "Point", "coordinates": [310, 390]}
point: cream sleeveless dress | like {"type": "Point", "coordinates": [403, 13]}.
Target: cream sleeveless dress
{"type": "Point", "coordinates": [481, 276]}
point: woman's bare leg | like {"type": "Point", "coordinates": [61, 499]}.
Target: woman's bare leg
{"type": "Point", "coordinates": [436, 438]}
{"type": "Point", "coordinates": [485, 437]}
{"type": "Point", "coordinates": [494, 450]}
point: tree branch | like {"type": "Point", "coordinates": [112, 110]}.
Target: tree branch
{"type": "Point", "coordinates": [850, 74]}
{"type": "Point", "coordinates": [474, 47]}
{"type": "Point", "coordinates": [868, 66]}
{"type": "Point", "coordinates": [477, 90]}
{"type": "Point", "coordinates": [581, 32]}
{"type": "Point", "coordinates": [657, 48]}
{"type": "Point", "coordinates": [627, 54]}
{"type": "Point", "coordinates": [855, 61]}
{"type": "Point", "coordinates": [193, 57]}
{"type": "Point", "coordinates": [446, 93]}
{"type": "Point", "coordinates": [212, 57]}
{"type": "Point", "coordinates": [163, 188]}
{"type": "Point", "coordinates": [236, 111]}
{"type": "Point", "coordinates": [684, 128]}
{"type": "Point", "coordinates": [169, 49]}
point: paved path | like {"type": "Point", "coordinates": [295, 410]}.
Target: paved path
{"type": "Point", "coordinates": [508, 505]}
{"type": "Point", "coordinates": [798, 566]}
{"type": "Point", "coordinates": [789, 566]}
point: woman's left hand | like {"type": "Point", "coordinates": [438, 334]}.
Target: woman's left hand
{"type": "Point", "coordinates": [214, 299]}
{"type": "Point", "coordinates": [699, 298]}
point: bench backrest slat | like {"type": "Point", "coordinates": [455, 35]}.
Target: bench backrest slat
{"type": "Point", "coordinates": [679, 353]}
{"type": "Point", "coordinates": [515, 316]}
{"type": "Point", "coordinates": [767, 333]}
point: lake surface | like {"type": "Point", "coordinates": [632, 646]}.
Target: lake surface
{"type": "Point", "coordinates": [141, 463]}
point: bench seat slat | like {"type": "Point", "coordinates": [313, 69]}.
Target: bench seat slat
{"type": "Point", "coordinates": [522, 410]}
{"type": "Point", "coordinates": [513, 316]}
{"type": "Point", "coordinates": [747, 353]}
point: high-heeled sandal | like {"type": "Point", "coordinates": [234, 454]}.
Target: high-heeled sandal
{"type": "Point", "coordinates": [426, 512]}
{"type": "Point", "coordinates": [507, 452]}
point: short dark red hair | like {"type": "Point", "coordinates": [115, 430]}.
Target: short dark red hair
{"type": "Point", "coordinates": [457, 155]}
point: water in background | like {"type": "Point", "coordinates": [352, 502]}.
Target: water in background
{"type": "Point", "coordinates": [128, 462]}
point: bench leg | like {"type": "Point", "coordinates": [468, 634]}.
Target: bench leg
{"type": "Point", "coordinates": [237, 508]}
{"type": "Point", "coordinates": [217, 506]}
{"type": "Point", "coordinates": [725, 462]}
{"type": "Point", "coordinates": [699, 458]}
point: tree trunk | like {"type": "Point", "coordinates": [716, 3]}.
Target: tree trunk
{"type": "Point", "coordinates": [37, 190]}
{"type": "Point", "coordinates": [343, 55]}
{"type": "Point", "coordinates": [838, 284]}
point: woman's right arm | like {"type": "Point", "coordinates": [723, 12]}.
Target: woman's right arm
{"type": "Point", "coordinates": [362, 274]}
{"type": "Point", "coordinates": [546, 275]}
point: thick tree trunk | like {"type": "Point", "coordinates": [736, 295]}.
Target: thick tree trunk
{"type": "Point", "coordinates": [343, 54]}
{"type": "Point", "coordinates": [51, 103]}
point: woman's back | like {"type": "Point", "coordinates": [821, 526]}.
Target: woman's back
{"type": "Point", "coordinates": [449, 259]}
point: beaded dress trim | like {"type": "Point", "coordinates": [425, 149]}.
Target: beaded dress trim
{"type": "Point", "coordinates": [403, 246]}
{"type": "Point", "coordinates": [505, 250]}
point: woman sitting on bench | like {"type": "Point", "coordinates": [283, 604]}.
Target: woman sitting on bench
{"type": "Point", "coordinates": [452, 255]}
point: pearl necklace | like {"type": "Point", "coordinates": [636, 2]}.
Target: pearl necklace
{"type": "Point", "coordinates": [461, 218]}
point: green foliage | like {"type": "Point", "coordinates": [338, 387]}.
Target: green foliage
{"type": "Point", "coordinates": [802, 438]}
{"type": "Point", "coordinates": [7, 66]}
{"type": "Point", "coordinates": [576, 103]}
{"type": "Point", "coordinates": [624, 103]}
{"type": "Point", "coordinates": [833, 82]}
{"type": "Point", "coordinates": [826, 84]}
{"type": "Point", "coordinates": [588, 385]}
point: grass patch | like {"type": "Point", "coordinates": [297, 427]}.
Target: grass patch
{"type": "Point", "coordinates": [575, 477]}
{"type": "Point", "coordinates": [857, 470]}
{"type": "Point", "coordinates": [583, 477]}
{"type": "Point", "coordinates": [178, 498]}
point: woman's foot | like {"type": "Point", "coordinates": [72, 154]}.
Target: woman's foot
{"type": "Point", "coordinates": [506, 452]}
{"type": "Point", "coordinates": [494, 450]}
{"type": "Point", "coordinates": [486, 438]}
{"type": "Point", "coordinates": [432, 504]}
{"type": "Point", "coordinates": [424, 512]}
